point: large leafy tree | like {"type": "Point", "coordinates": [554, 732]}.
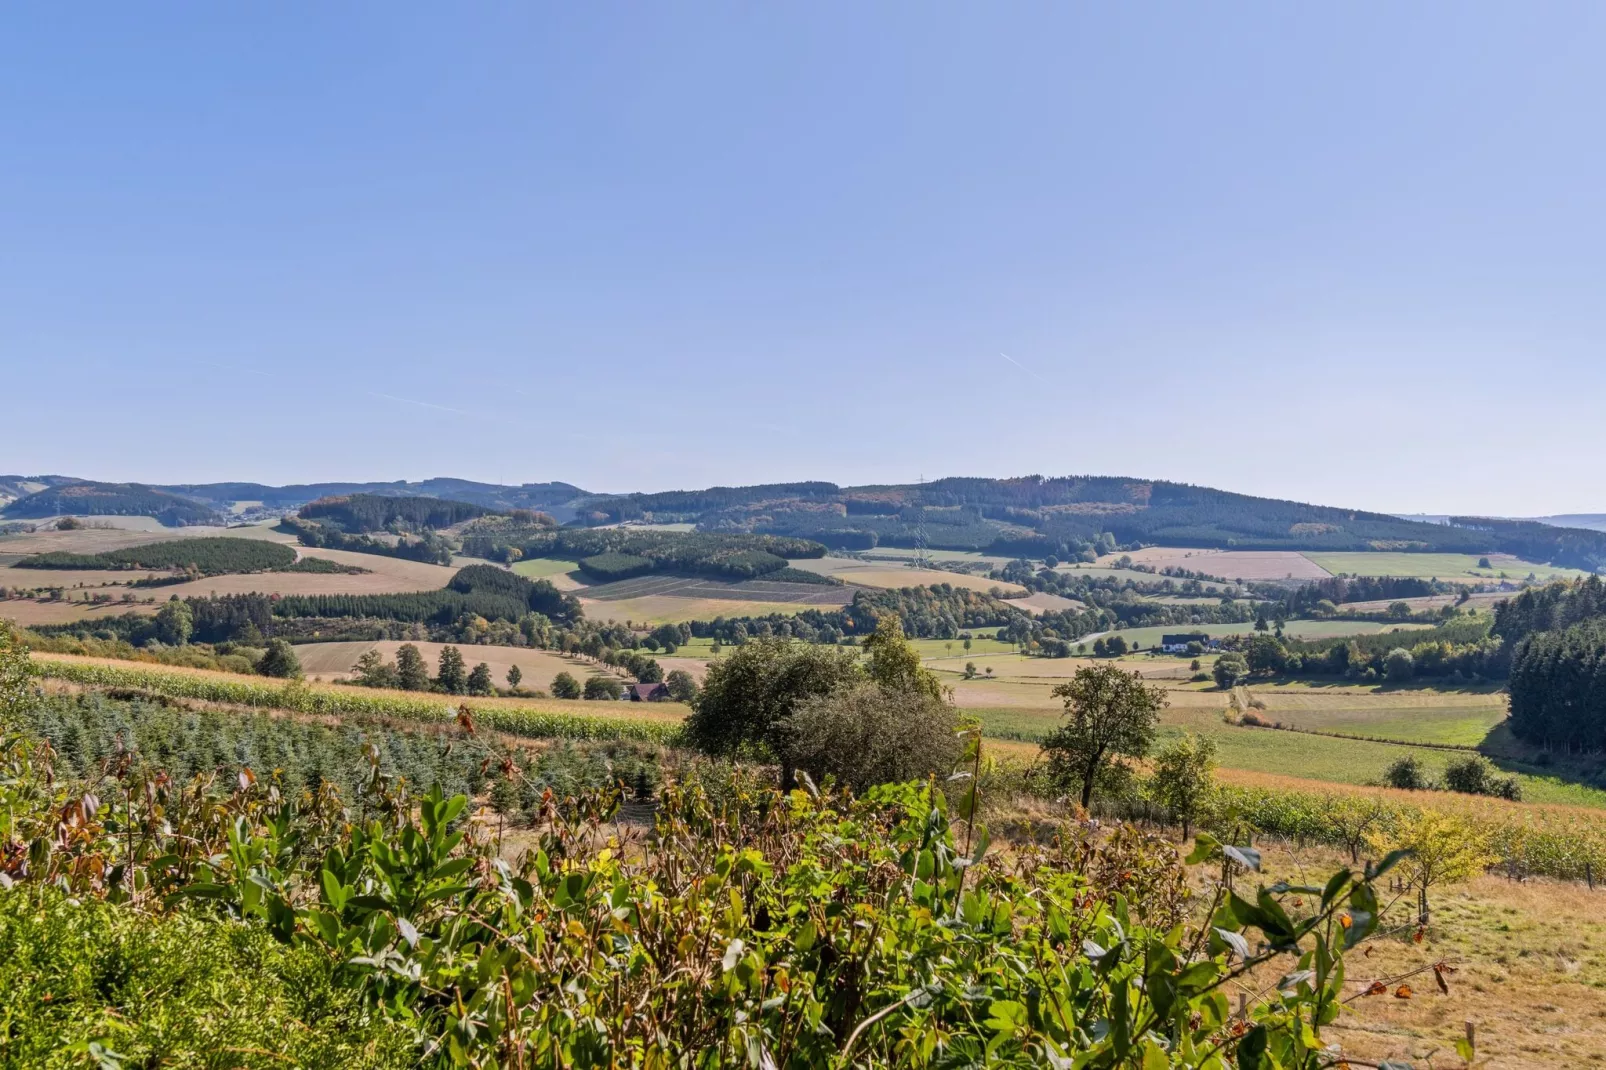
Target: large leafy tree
{"type": "Point", "coordinates": [1108, 713]}
{"type": "Point", "coordinates": [412, 673]}
{"type": "Point", "coordinates": [749, 695]}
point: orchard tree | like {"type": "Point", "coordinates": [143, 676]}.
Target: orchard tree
{"type": "Point", "coordinates": [1108, 714]}
{"type": "Point", "coordinates": [514, 675]}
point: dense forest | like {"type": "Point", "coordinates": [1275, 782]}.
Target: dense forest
{"type": "Point", "coordinates": [478, 590]}
{"type": "Point", "coordinates": [616, 553]}
{"type": "Point", "coordinates": [429, 548]}
{"type": "Point", "coordinates": [373, 512]}
{"type": "Point", "coordinates": [206, 556]}
{"type": "Point", "coordinates": [1557, 636]}
{"type": "Point", "coordinates": [112, 499]}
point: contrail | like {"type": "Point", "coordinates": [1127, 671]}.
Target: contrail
{"type": "Point", "coordinates": [1025, 369]}
{"type": "Point", "coordinates": [410, 401]}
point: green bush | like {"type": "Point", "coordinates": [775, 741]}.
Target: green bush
{"type": "Point", "coordinates": [173, 991]}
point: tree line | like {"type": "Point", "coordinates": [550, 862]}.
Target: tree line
{"type": "Point", "coordinates": [206, 556]}
{"type": "Point", "coordinates": [375, 512]}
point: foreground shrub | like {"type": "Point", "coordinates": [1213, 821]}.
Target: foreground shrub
{"type": "Point", "coordinates": [864, 735]}
{"type": "Point", "coordinates": [176, 991]}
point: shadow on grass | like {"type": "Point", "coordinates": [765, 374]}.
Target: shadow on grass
{"type": "Point", "coordinates": [1510, 755]}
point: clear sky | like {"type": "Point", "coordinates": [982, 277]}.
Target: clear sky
{"type": "Point", "coordinates": [1353, 256]}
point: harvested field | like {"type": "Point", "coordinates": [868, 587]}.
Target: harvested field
{"type": "Point", "coordinates": [1233, 564]}
{"type": "Point", "coordinates": [333, 661]}
{"type": "Point", "coordinates": [26, 612]}
{"type": "Point", "coordinates": [385, 575]}
{"type": "Point", "coordinates": [874, 574]}
{"type": "Point", "coordinates": [1484, 601]}
{"type": "Point", "coordinates": [1043, 602]}
{"type": "Point", "coordinates": [808, 594]}
{"type": "Point", "coordinates": [95, 540]}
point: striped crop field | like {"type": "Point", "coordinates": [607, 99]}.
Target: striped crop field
{"type": "Point", "coordinates": [549, 719]}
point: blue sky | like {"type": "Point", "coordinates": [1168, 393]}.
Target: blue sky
{"type": "Point", "coordinates": [1351, 256]}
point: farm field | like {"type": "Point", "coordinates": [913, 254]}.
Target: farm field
{"type": "Point", "coordinates": [661, 712]}
{"type": "Point", "coordinates": [1484, 601]}
{"type": "Point", "coordinates": [690, 587]}
{"type": "Point", "coordinates": [333, 661]}
{"type": "Point", "coordinates": [1412, 715]}
{"type": "Point", "coordinates": [27, 612]}
{"type": "Point", "coordinates": [935, 649]}
{"type": "Point", "coordinates": [91, 540]}
{"type": "Point", "coordinates": [385, 575]}
{"type": "Point", "coordinates": [1456, 568]}
{"type": "Point", "coordinates": [1296, 629]}
{"type": "Point", "coordinates": [1234, 564]}
{"type": "Point", "coordinates": [1043, 602]}
{"type": "Point", "coordinates": [886, 553]}
{"type": "Point", "coordinates": [672, 609]}
{"type": "Point", "coordinates": [872, 574]}
{"type": "Point", "coordinates": [548, 568]}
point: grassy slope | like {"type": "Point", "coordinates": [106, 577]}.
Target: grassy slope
{"type": "Point", "coordinates": [1461, 568]}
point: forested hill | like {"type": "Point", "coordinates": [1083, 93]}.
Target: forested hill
{"type": "Point", "coordinates": [1030, 515]}
{"type": "Point", "coordinates": [1064, 514]}
{"type": "Point", "coordinates": [112, 499]}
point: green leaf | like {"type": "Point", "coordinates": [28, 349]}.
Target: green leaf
{"type": "Point", "coordinates": [1390, 860]}
{"type": "Point", "coordinates": [1203, 845]}
{"type": "Point", "coordinates": [1006, 1016]}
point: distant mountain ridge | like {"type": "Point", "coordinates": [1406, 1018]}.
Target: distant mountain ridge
{"type": "Point", "coordinates": [1030, 515]}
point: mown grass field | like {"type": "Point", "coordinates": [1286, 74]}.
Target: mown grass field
{"type": "Point", "coordinates": [544, 568]}
{"type": "Point", "coordinates": [1459, 568]}
{"type": "Point", "coordinates": [1233, 564]}
{"type": "Point", "coordinates": [1295, 629]}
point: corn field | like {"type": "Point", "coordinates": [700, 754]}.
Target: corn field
{"type": "Point", "coordinates": [297, 697]}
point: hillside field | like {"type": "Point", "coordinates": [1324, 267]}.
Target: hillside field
{"type": "Point", "coordinates": [877, 574]}
{"type": "Point", "coordinates": [1454, 568]}
{"type": "Point", "coordinates": [333, 661]}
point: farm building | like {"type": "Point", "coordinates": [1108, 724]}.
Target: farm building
{"type": "Point", "coordinates": [1178, 643]}
{"type": "Point", "coordinates": [658, 692]}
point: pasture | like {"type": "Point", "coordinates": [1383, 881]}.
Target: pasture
{"type": "Point", "coordinates": [1234, 564]}
{"type": "Point", "coordinates": [877, 574]}
{"type": "Point", "coordinates": [1455, 568]}
{"type": "Point", "coordinates": [550, 569]}
{"type": "Point", "coordinates": [1150, 637]}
